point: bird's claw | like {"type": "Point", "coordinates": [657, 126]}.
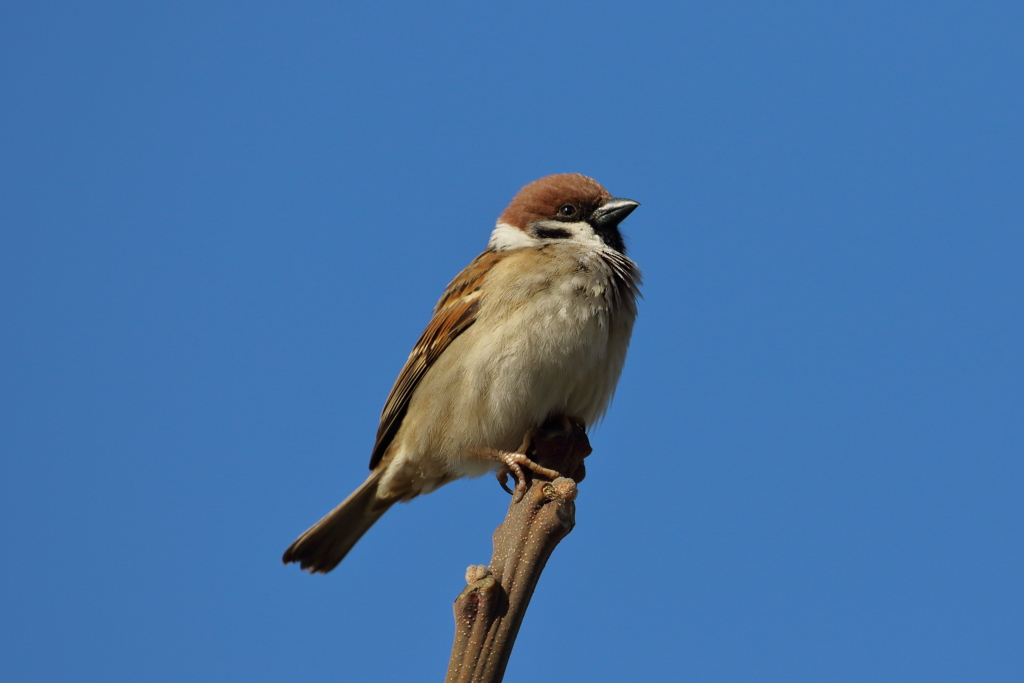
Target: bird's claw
{"type": "Point", "coordinates": [514, 464]}
{"type": "Point", "coordinates": [502, 476]}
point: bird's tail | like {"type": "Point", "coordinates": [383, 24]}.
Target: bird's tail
{"type": "Point", "coordinates": [326, 543]}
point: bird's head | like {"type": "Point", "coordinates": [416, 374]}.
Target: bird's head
{"type": "Point", "coordinates": [564, 206]}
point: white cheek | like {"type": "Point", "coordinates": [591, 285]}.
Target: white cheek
{"type": "Point", "coordinates": [582, 232]}
{"type": "Point", "coordinates": [505, 237]}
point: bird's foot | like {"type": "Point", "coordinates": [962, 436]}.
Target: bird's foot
{"type": "Point", "coordinates": [513, 463]}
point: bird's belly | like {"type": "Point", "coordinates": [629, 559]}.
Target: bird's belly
{"type": "Point", "coordinates": [548, 358]}
{"type": "Point", "coordinates": [557, 349]}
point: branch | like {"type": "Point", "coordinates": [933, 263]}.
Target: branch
{"type": "Point", "coordinates": [490, 609]}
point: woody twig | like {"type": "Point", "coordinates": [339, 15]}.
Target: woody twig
{"type": "Point", "coordinates": [490, 610]}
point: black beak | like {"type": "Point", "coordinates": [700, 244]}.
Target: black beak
{"type": "Point", "coordinates": [612, 212]}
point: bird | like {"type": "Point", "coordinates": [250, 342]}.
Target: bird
{"type": "Point", "coordinates": [537, 326]}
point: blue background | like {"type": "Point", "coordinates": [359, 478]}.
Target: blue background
{"type": "Point", "coordinates": [224, 226]}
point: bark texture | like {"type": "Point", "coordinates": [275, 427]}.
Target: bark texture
{"type": "Point", "coordinates": [490, 609]}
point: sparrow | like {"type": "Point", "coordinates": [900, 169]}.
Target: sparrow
{"type": "Point", "coordinates": [537, 326]}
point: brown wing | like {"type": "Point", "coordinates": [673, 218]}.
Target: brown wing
{"type": "Point", "coordinates": [454, 313]}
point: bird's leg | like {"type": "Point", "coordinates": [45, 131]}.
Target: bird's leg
{"type": "Point", "coordinates": [513, 463]}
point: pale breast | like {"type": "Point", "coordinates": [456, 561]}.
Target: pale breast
{"type": "Point", "coordinates": [550, 338]}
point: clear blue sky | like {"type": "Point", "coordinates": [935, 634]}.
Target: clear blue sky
{"type": "Point", "coordinates": [223, 226]}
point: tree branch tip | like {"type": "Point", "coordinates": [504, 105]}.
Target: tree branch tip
{"type": "Point", "coordinates": [562, 490]}
{"type": "Point", "coordinates": [477, 572]}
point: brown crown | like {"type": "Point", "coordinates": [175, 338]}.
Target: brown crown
{"type": "Point", "coordinates": [541, 199]}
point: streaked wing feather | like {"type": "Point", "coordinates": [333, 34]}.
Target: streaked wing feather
{"type": "Point", "coordinates": [454, 313]}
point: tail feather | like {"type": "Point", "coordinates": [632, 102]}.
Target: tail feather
{"type": "Point", "coordinates": [326, 543]}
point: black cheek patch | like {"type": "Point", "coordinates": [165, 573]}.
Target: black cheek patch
{"type": "Point", "coordinates": [552, 233]}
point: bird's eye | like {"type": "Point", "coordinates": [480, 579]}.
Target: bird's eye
{"type": "Point", "coordinates": [567, 210]}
